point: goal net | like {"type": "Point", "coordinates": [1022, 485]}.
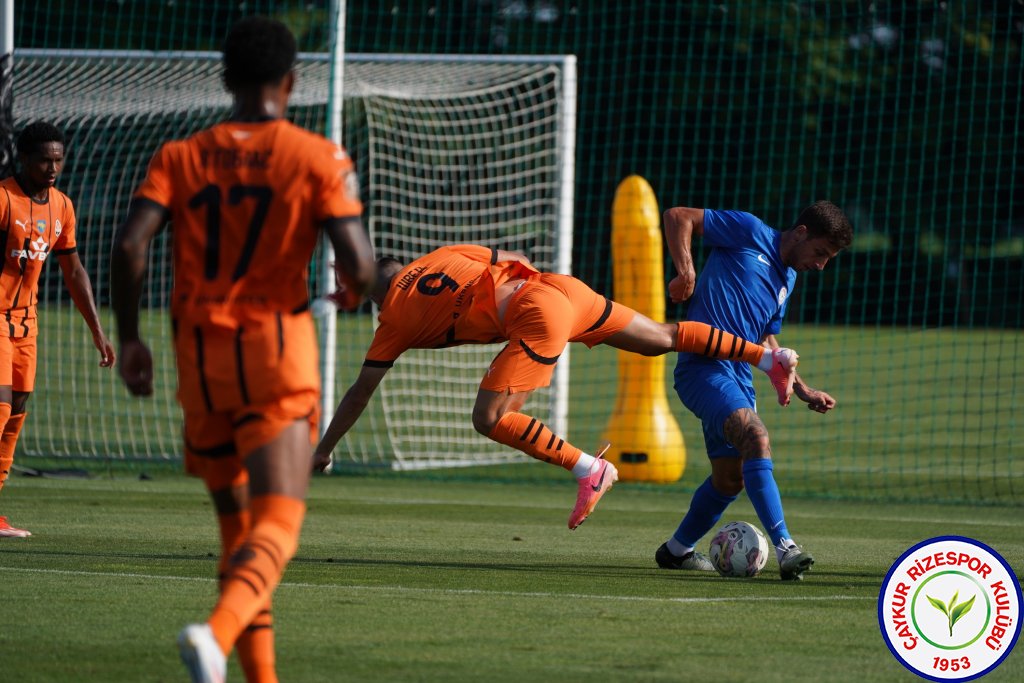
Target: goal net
{"type": "Point", "coordinates": [449, 150]}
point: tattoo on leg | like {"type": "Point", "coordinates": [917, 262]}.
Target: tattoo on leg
{"type": "Point", "coordinates": [748, 435]}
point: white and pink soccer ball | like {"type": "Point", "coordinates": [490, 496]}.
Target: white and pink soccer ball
{"type": "Point", "coordinates": [739, 550]}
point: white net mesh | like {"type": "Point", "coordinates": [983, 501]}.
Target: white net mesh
{"type": "Point", "coordinates": [449, 150]}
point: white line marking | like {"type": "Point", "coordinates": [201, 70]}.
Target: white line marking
{"type": "Point", "coordinates": [455, 591]}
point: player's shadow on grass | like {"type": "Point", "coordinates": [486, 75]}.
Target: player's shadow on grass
{"type": "Point", "coordinates": [845, 580]}
{"type": "Point", "coordinates": [841, 578]}
{"type": "Point", "coordinates": [37, 552]}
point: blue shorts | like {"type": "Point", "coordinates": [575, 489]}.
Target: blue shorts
{"type": "Point", "coordinates": [713, 390]}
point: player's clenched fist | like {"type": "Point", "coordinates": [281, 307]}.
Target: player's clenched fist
{"type": "Point", "coordinates": [136, 368]}
{"type": "Point", "coordinates": [681, 287]}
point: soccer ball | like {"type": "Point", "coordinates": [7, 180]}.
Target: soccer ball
{"type": "Point", "coordinates": [739, 549]}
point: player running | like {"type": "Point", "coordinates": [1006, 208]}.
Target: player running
{"type": "Point", "coordinates": [469, 294]}
{"type": "Point", "coordinates": [248, 198]}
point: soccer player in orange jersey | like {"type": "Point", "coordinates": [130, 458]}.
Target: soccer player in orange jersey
{"type": "Point", "coordinates": [36, 220]}
{"type": "Point", "coordinates": [247, 198]}
{"type": "Point", "coordinates": [468, 294]}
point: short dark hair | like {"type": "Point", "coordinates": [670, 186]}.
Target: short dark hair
{"type": "Point", "coordinates": [825, 219]}
{"type": "Point", "coordinates": [38, 133]}
{"type": "Point", "coordinates": [388, 266]}
{"type": "Point", "coordinates": [257, 51]}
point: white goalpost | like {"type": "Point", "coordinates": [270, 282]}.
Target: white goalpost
{"type": "Point", "coordinates": [449, 149]}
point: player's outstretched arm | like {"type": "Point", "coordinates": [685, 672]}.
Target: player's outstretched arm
{"type": "Point", "coordinates": [352, 405]}
{"type": "Point", "coordinates": [128, 260]}
{"type": "Point", "coordinates": [77, 282]}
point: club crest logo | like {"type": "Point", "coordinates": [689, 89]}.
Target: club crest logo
{"type": "Point", "coordinates": [41, 225]}
{"type": "Point", "coordinates": [949, 609]}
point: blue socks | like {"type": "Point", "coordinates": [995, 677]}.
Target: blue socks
{"type": "Point", "coordinates": [706, 509]}
{"type": "Point", "coordinates": [764, 495]}
{"type": "Point", "coordinates": [708, 505]}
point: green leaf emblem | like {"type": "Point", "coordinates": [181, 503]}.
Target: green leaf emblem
{"type": "Point", "coordinates": [953, 611]}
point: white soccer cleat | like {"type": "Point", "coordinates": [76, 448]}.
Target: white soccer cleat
{"type": "Point", "coordinates": [201, 654]}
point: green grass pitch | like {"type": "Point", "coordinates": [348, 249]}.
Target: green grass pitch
{"type": "Point", "coordinates": [413, 579]}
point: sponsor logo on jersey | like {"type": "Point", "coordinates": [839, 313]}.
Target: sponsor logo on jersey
{"type": "Point", "coordinates": [35, 252]}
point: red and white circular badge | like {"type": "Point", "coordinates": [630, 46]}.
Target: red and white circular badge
{"type": "Point", "coordinates": [949, 609]}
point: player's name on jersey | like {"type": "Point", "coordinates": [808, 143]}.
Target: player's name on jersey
{"type": "Point", "coordinates": [410, 277]}
{"type": "Point", "coordinates": [222, 157]}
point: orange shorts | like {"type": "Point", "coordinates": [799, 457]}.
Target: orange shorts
{"type": "Point", "coordinates": [241, 386]}
{"type": "Point", "coordinates": [216, 444]}
{"type": "Point", "coordinates": [18, 363]}
{"type": "Point", "coordinates": [544, 315]}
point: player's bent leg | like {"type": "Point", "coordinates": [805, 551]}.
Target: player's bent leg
{"type": "Point", "coordinates": [594, 475]}
{"type": "Point", "coordinates": [496, 416]}
{"type": "Point", "coordinates": [513, 375]}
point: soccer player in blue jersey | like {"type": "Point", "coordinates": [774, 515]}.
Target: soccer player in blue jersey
{"type": "Point", "coordinates": [744, 289]}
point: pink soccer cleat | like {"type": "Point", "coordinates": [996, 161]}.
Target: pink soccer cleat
{"type": "Point", "coordinates": [591, 487]}
{"type": "Point", "coordinates": [783, 372]}
{"type": "Point", "coordinates": [8, 531]}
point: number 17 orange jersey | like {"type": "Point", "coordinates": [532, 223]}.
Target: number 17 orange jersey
{"type": "Point", "coordinates": [245, 201]}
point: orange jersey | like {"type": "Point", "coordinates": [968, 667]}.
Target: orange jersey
{"type": "Point", "coordinates": [30, 230]}
{"type": "Point", "coordinates": [445, 298]}
{"type": "Point", "coordinates": [245, 201]}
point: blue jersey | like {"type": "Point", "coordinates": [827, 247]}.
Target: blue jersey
{"type": "Point", "coordinates": [744, 288]}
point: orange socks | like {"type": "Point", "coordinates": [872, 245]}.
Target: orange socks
{"type": "Point", "coordinates": [255, 648]}
{"type": "Point", "coordinates": [531, 436]}
{"type": "Point", "coordinates": [255, 568]}
{"type": "Point", "coordinates": [710, 341]}
{"type": "Point", "coordinates": [255, 645]}
{"type": "Point", "coordinates": [8, 439]}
